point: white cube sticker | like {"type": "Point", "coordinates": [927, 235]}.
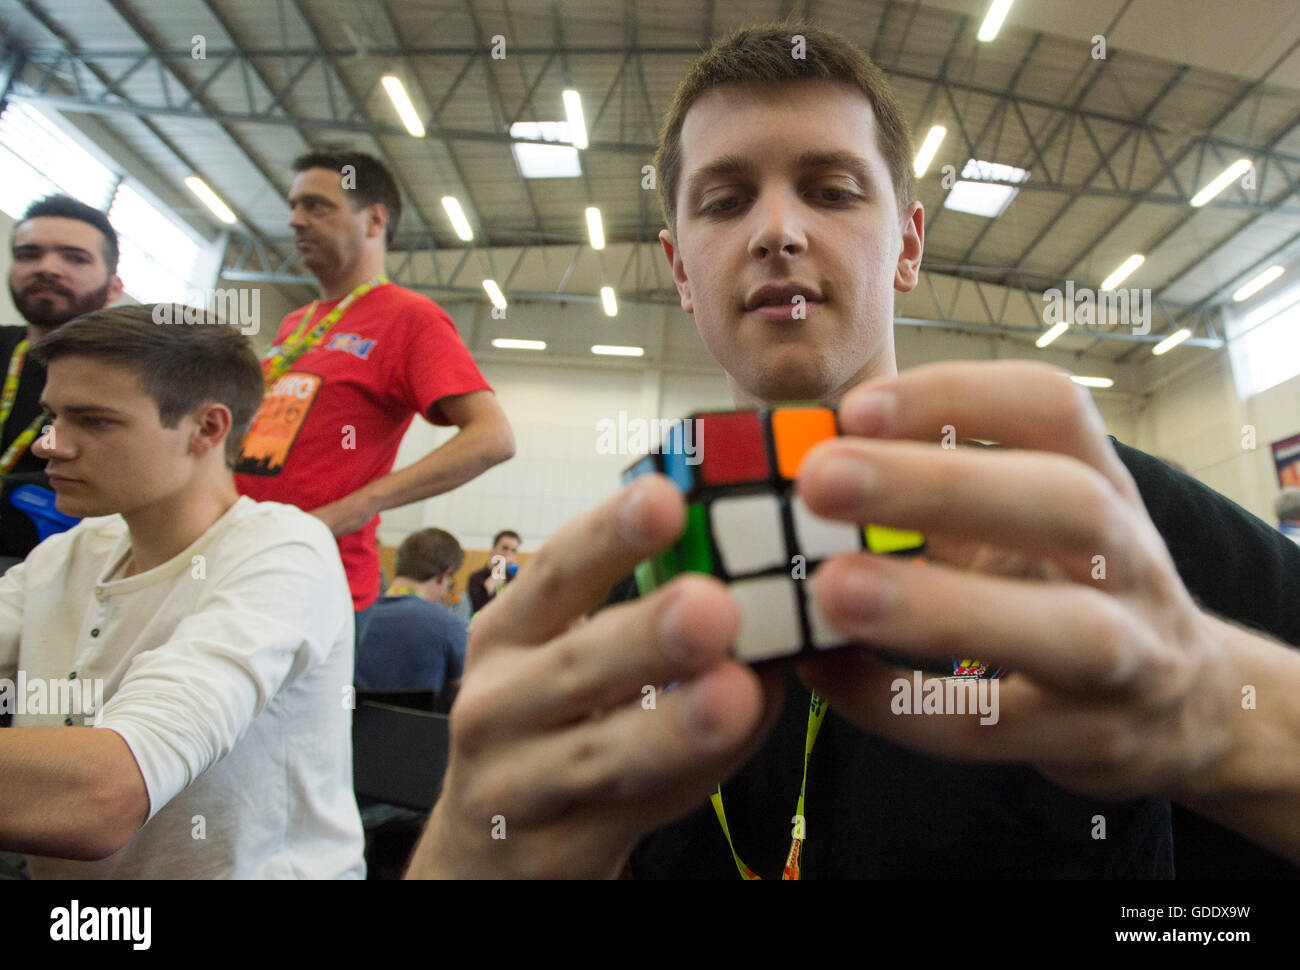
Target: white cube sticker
{"type": "Point", "coordinates": [820, 538]}
{"type": "Point", "coordinates": [747, 531]}
{"type": "Point", "coordinates": [769, 618]}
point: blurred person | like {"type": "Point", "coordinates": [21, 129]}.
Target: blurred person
{"type": "Point", "coordinates": [1288, 512]}
{"type": "Point", "coordinates": [413, 641]}
{"type": "Point", "coordinates": [484, 583]}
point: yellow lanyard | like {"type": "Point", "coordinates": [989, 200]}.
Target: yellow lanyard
{"type": "Point", "coordinates": [283, 356]}
{"type": "Point", "coordinates": [816, 713]}
{"type": "Point", "coordinates": [7, 398]}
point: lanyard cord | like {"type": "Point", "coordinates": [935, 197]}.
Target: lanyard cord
{"type": "Point", "coordinates": [816, 713]}
{"type": "Point", "coordinates": [7, 398]}
{"type": "Point", "coordinates": [285, 355]}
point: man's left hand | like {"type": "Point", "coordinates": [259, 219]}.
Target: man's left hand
{"type": "Point", "coordinates": [1041, 559]}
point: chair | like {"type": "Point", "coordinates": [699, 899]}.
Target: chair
{"type": "Point", "coordinates": [399, 753]}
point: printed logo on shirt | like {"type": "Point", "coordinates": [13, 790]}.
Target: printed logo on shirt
{"type": "Point", "coordinates": [352, 344]}
{"type": "Point", "coordinates": [276, 425]}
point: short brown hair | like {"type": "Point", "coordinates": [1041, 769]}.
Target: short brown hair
{"type": "Point", "coordinates": [181, 366]}
{"type": "Point", "coordinates": [762, 54]}
{"type": "Point", "coordinates": [427, 554]}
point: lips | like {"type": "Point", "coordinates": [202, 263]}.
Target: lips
{"type": "Point", "coordinates": [36, 292]}
{"type": "Point", "coordinates": [782, 295]}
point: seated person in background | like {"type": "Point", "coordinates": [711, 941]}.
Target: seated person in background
{"type": "Point", "coordinates": [216, 631]}
{"type": "Point", "coordinates": [484, 583]}
{"type": "Point", "coordinates": [1288, 512]}
{"type": "Point", "coordinates": [412, 641]}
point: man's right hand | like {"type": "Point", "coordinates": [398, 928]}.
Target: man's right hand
{"type": "Point", "coordinates": [551, 744]}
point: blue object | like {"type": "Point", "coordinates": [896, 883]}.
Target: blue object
{"type": "Point", "coordinates": [38, 504]}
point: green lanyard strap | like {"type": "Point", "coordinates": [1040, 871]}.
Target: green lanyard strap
{"type": "Point", "coordinates": [816, 714]}
{"type": "Point", "coordinates": [285, 355]}
{"type": "Point", "coordinates": [7, 398]}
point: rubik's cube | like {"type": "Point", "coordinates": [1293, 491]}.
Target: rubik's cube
{"type": "Point", "coordinates": [746, 525]}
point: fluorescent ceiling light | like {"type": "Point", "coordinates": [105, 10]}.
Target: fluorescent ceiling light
{"type": "Point", "coordinates": [1093, 381]}
{"type": "Point", "coordinates": [1225, 178]}
{"type": "Point", "coordinates": [998, 10]}
{"type": "Point", "coordinates": [1258, 283]}
{"type": "Point", "coordinates": [595, 230]}
{"type": "Point", "coordinates": [405, 110]}
{"type": "Point", "coordinates": [618, 351]}
{"type": "Point", "coordinates": [1170, 342]}
{"type": "Point", "coordinates": [1122, 273]}
{"type": "Point", "coordinates": [210, 199]}
{"type": "Point", "coordinates": [457, 216]}
{"type": "Point", "coordinates": [573, 112]}
{"type": "Point", "coordinates": [505, 343]}
{"type": "Point", "coordinates": [494, 294]}
{"type": "Point", "coordinates": [928, 147]}
{"type": "Point", "coordinates": [1051, 335]}
{"type": "Point", "coordinates": [607, 298]}
{"type": "Point", "coordinates": [559, 160]}
{"type": "Point", "coordinates": [989, 196]}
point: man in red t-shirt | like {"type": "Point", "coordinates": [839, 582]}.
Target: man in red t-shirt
{"type": "Point", "coordinates": [339, 402]}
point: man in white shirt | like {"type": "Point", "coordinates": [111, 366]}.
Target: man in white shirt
{"type": "Point", "coordinates": [179, 663]}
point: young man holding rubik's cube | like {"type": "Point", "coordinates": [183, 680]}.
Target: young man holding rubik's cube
{"type": "Point", "coordinates": [786, 182]}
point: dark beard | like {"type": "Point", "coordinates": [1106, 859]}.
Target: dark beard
{"type": "Point", "coordinates": [40, 312]}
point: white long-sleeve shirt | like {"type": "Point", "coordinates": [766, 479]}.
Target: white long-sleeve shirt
{"type": "Point", "coordinates": [227, 670]}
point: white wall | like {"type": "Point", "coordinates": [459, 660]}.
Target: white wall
{"type": "Point", "coordinates": [556, 472]}
{"type": "Point", "coordinates": [1196, 416]}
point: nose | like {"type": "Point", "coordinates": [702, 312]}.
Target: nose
{"type": "Point", "coordinates": [50, 263]}
{"type": "Point", "coordinates": [777, 230]}
{"type": "Point", "coordinates": [49, 445]}
{"type": "Point", "coordinates": [297, 220]}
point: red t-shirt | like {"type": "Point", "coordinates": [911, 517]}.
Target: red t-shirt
{"type": "Point", "coordinates": [332, 423]}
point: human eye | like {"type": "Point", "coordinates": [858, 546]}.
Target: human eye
{"type": "Point", "coordinates": [838, 191]}
{"type": "Point", "coordinates": [721, 204]}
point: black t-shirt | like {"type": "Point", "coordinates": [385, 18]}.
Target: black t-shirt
{"type": "Point", "coordinates": [17, 532]}
{"type": "Point", "coordinates": [874, 809]}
